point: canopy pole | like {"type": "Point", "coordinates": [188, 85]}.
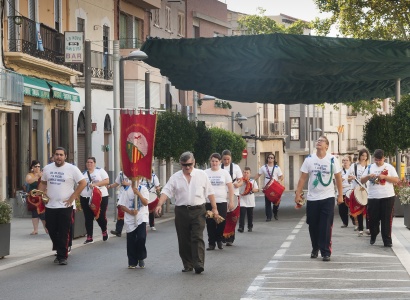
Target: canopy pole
{"type": "Point", "coordinates": [398, 155]}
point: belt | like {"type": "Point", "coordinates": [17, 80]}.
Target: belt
{"type": "Point", "coordinates": [192, 206]}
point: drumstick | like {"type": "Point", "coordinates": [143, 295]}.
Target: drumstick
{"type": "Point", "coordinates": [359, 183]}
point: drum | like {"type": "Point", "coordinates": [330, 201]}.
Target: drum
{"type": "Point", "coordinates": [356, 208]}
{"type": "Point", "coordinates": [360, 195]}
{"type": "Point", "coordinates": [346, 197]}
{"type": "Point", "coordinates": [235, 203]}
{"type": "Point", "coordinates": [273, 190]}
{"type": "Point", "coordinates": [95, 202]}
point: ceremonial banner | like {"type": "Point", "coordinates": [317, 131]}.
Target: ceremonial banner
{"type": "Point", "coordinates": [137, 144]}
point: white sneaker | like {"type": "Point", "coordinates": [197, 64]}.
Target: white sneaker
{"type": "Point", "coordinates": [360, 233]}
{"type": "Point", "coordinates": [367, 231]}
{"type": "Point", "coordinates": [153, 228]}
{"type": "Point", "coordinates": [356, 227]}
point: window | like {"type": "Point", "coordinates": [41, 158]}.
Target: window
{"type": "Point", "coordinates": [181, 24]}
{"type": "Point", "coordinates": [106, 50]}
{"type": "Point", "coordinates": [138, 28]}
{"type": "Point", "coordinates": [294, 129]}
{"type": "Point", "coordinates": [80, 24]}
{"type": "Point", "coordinates": [32, 5]}
{"type": "Point", "coordinates": [156, 17]}
{"type": "Point", "coordinates": [131, 30]}
{"type": "Point", "coordinates": [167, 18]}
{"type": "Point", "coordinates": [57, 21]}
{"type": "Point", "coordinates": [331, 118]}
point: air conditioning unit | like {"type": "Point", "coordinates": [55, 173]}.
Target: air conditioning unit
{"type": "Point", "coordinates": [274, 127]}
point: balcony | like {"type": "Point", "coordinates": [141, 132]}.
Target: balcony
{"type": "Point", "coordinates": [351, 144]}
{"type": "Point", "coordinates": [22, 39]}
{"type": "Point", "coordinates": [351, 113]}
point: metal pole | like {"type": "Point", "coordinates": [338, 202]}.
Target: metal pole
{"type": "Point", "coordinates": [147, 91]}
{"type": "Point", "coordinates": [116, 104]}
{"type": "Point", "coordinates": [195, 106]}
{"type": "Point", "coordinates": [121, 72]}
{"type": "Point", "coordinates": [233, 121]}
{"type": "Point", "coordinates": [87, 88]}
{"type": "Point", "coordinates": [398, 155]}
{"type": "Point", "coordinates": [309, 129]}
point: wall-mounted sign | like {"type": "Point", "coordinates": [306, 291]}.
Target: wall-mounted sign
{"type": "Point", "coordinates": [74, 47]}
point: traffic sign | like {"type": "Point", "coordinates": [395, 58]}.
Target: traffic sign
{"type": "Point", "coordinates": [244, 153]}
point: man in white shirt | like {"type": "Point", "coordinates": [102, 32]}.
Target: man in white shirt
{"type": "Point", "coordinates": [189, 187]}
{"type": "Point", "coordinates": [59, 179]}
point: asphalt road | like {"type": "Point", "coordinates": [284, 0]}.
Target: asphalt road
{"type": "Point", "coordinates": [272, 262]}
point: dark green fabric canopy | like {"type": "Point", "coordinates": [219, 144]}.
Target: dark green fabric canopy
{"type": "Point", "coordinates": [283, 68]}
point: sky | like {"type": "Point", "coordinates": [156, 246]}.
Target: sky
{"type": "Point", "coordinates": [301, 9]}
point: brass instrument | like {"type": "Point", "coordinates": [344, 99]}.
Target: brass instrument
{"type": "Point", "coordinates": [38, 193]}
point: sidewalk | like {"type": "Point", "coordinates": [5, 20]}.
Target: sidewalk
{"type": "Point", "coordinates": [25, 248]}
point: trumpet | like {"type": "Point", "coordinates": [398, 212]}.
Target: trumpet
{"type": "Point", "coordinates": [38, 193]}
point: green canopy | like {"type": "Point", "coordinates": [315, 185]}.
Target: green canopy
{"type": "Point", "coordinates": [283, 68]}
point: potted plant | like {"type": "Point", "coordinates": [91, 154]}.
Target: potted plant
{"type": "Point", "coordinates": [398, 207]}
{"type": "Point", "coordinates": [6, 212]}
{"type": "Point", "coordinates": [404, 197]}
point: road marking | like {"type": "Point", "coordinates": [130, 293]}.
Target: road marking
{"type": "Point", "coordinates": [280, 253]}
{"type": "Point", "coordinates": [401, 252]}
{"type": "Point", "coordinates": [290, 238]}
{"type": "Point", "coordinates": [372, 290]}
{"type": "Point", "coordinates": [286, 244]}
{"type": "Point", "coordinates": [337, 278]}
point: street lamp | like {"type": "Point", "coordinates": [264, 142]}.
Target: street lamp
{"type": "Point", "coordinates": [238, 118]}
{"type": "Point", "coordinates": [118, 87]}
{"type": "Point", "coordinates": [195, 104]}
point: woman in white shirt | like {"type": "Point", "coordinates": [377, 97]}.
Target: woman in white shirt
{"type": "Point", "coordinates": [95, 177]}
{"type": "Point", "coordinates": [221, 182]}
{"type": "Point", "coordinates": [343, 207]}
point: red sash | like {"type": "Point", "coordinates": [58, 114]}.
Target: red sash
{"type": "Point", "coordinates": [153, 205]}
{"type": "Point", "coordinates": [231, 220]}
{"type": "Point", "coordinates": [95, 203]}
{"type": "Point", "coordinates": [35, 203]}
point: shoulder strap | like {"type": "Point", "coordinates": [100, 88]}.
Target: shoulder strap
{"type": "Point", "coordinates": [355, 169]}
{"type": "Point", "coordinates": [89, 176]}
{"type": "Point", "coordinates": [231, 170]}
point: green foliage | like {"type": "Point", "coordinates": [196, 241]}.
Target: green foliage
{"type": "Point", "coordinates": [174, 135]}
{"type": "Point", "coordinates": [402, 123]}
{"type": "Point", "coordinates": [203, 145]}
{"type": "Point", "coordinates": [6, 212]}
{"type": "Point", "coordinates": [223, 139]}
{"type": "Point", "coordinates": [379, 133]}
{"type": "Point", "coordinates": [365, 19]}
{"type": "Point", "coordinates": [261, 24]}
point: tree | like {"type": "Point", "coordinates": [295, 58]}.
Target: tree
{"type": "Point", "coordinates": [261, 24]}
{"type": "Point", "coordinates": [203, 145]}
{"type": "Point", "coordinates": [379, 133]}
{"type": "Point", "coordinates": [401, 123]}
{"type": "Point", "coordinates": [174, 135]}
{"type": "Point", "coordinates": [223, 139]}
{"type": "Point", "coordinates": [365, 19]}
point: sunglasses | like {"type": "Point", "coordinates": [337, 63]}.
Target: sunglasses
{"type": "Point", "coordinates": [187, 165]}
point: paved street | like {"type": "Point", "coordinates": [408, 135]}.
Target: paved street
{"type": "Point", "coordinates": [272, 262]}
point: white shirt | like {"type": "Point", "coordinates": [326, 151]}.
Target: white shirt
{"type": "Point", "coordinates": [360, 171]}
{"type": "Point", "coordinates": [378, 191]}
{"type": "Point", "coordinates": [277, 172]}
{"type": "Point", "coordinates": [96, 176]}
{"type": "Point", "coordinates": [236, 175]}
{"type": "Point", "coordinates": [345, 182]}
{"type": "Point", "coordinates": [127, 199]}
{"type": "Point", "coordinates": [219, 179]}
{"type": "Point", "coordinates": [184, 193]}
{"type": "Point", "coordinates": [151, 186]}
{"type": "Point", "coordinates": [60, 183]}
{"type": "Point", "coordinates": [120, 178]}
{"type": "Point", "coordinates": [248, 200]}
{"type": "Point", "coordinates": [312, 165]}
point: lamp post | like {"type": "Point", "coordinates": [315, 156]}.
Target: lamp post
{"type": "Point", "coordinates": [239, 118]}
{"type": "Point", "coordinates": [118, 88]}
{"type": "Point", "coordinates": [195, 104]}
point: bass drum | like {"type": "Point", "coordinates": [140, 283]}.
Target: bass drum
{"type": "Point", "coordinates": [360, 195]}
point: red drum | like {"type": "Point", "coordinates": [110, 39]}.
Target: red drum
{"type": "Point", "coordinates": [346, 197]}
{"type": "Point", "coordinates": [95, 202]}
{"type": "Point", "coordinates": [357, 201]}
{"type": "Point", "coordinates": [153, 205]}
{"type": "Point", "coordinates": [273, 190]}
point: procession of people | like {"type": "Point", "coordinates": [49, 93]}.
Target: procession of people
{"type": "Point", "coordinates": [215, 198]}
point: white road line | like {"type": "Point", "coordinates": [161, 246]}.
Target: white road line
{"type": "Point", "coordinates": [286, 244]}
{"type": "Point", "coordinates": [280, 253]}
{"type": "Point", "coordinates": [344, 279]}
{"type": "Point", "coordinates": [355, 270]}
{"type": "Point", "coordinates": [291, 237]}
{"type": "Point", "coordinates": [381, 290]}
{"type": "Point", "coordinates": [295, 231]}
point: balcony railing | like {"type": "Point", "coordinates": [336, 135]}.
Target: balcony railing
{"type": "Point", "coordinates": [11, 88]}
{"type": "Point", "coordinates": [351, 144]}
{"type": "Point", "coordinates": [101, 65]}
{"type": "Point", "coordinates": [129, 43]}
{"type": "Point", "coordinates": [22, 38]}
